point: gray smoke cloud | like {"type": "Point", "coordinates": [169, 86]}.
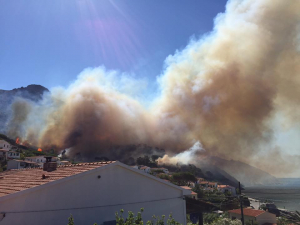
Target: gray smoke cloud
{"type": "Point", "coordinates": [223, 90]}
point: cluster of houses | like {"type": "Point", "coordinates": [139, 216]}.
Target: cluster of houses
{"type": "Point", "coordinates": [7, 151]}
{"type": "Point", "coordinates": [205, 185]}
{"type": "Point", "coordinates": [45, 190]}
{"type": "Point", "coordinates": [10, 154]}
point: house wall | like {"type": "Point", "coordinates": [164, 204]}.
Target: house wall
{"type": "Point", "coordinates": [239, 217]}
{"type": "Point", "coordinates": [5, 145]}
{"type": "Point", "coordinates": [37, 159]}
{"type": "Point", "coordinates": [266, 218]}
{"type": "Point", "coordinates": [13, 155]}
{"type": "Point", "coordinates": [261, 219]}
{"type": "Point", "coordinates": [91, 200]}
{"type": "Point", "coordinates": [13, 164]}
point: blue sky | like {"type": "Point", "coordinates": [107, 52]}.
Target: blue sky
{"type": "Point", "coordinates": [51, 42]}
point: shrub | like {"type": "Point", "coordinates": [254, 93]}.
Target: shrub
{"type": "Point", "coordinates": [71, 220]}
{"type": "Point", "coordinates": [131, 220]}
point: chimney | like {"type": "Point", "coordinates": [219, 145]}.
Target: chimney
{"type": "Point", "coordinates": [49, 165]}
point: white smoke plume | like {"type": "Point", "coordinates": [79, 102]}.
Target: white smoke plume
{"type": "Point", "coordinates": [223, 90]}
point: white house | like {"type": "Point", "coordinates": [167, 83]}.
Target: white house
{"type": "Point", "coordinates": [253, 215]}
{"type": "Point", "coordinates": [146, 169]}
{"type": "Point", "coordinates": [37, 159]}
{"type": "Point", "coordinates": [40, 160]}
{"type": "Point", "coordinates": [212, 184]}
{"type": "Point", "coordinates": [6, 154]}
{"type": "Point", "coordinates": [91, 192]}
{"type": "Point", "coordinates": [3, 154]}
{"type": "Point", "coordinates": [227, 188]}
{"type": "Point", "coordinates": [13, 155]}
{"type": "Point", "coordinates": [5, 145]}
{"type": "Point", "coordinates": [20, 164]}
{"type": "Point", "coordinates": [193, 195]}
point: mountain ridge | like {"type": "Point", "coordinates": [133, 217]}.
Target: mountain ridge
{"type": "Point", "coordinates": [32, 92]}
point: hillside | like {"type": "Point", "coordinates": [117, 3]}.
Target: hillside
{"type": "Point", "coordinates": [246, 174]}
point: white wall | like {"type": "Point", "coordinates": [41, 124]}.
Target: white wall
{"type": "Point", "coordinates": [4, 145]}
{"type": "Point", "coordinates": [113, 191]}
{"type": "Point", "coordinates": [13, 164]}
{"type": "Point", "coordinates": [13, 155]}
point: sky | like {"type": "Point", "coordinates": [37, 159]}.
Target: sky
{"type": "Point", "coordinates": [51, 42]}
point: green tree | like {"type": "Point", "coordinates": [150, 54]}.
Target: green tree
{"type": "Point", "coordinates": [209, 218]}
{"type": "Point", "coordinates": [183, 178]}
{"type": "Point", "coordinates": [143, 160]}
{"type": "Point", "coordinates": [251, 222]}
{"type": "Point", "coordinates": [71, 220]}
{"type": "Point", "coordinates": [199, 191]}
{"type": "Point", "coordinates": [154, 158]}
{"type": "Point", "coordinates": [227, 221]}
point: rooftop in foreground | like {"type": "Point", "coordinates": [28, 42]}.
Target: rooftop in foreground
{"type": "Point", "coordinates": [13, 181]}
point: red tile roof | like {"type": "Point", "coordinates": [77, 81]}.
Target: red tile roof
{"type": "Point", "coordinates": [186, 187]}
{"type": "Point", "coordinates": [248, 212]}
{"type": "Point", "coordinates": [223, 186]}
{"type": "Point", "coordinates": [204, 182]}
{"type": "Point", "coordinates": [13, 181]}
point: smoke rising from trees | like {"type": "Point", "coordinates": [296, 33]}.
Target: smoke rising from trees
{"type": "Point", "coordinates": [224, 90]}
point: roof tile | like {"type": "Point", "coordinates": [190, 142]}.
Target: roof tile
{"type": "Point", "coordinates": [13, 181]}
{"type": "Point", "coordinates": [248, 212]}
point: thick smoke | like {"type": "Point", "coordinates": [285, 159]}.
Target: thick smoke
{"type": "Point", "coordinates": [223, 90]}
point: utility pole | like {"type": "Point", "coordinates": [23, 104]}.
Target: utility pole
{"type": "Point", "coordinates": [241, 202]}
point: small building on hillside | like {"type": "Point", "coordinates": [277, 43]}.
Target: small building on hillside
{"type": "Point", "coordinates": [40, 160]}
{"type": "Point", "coordinates": [203, 184]}
{"type": "Point", "coordinates": [193, 195]}
{"type": "Point", "coordinates": [212, 185]}
{"type": "Point", "coordinates": [160, 170]}
{"type": "Point", "coordinates": [3, 154]}
{"type": "Point", "coordinates": [13, 155]}
{"type": "Point", "coordinates": [146, 169]}
{"type": "Point", "coordinates": [91, 192]}
{"type": "Point", "coordinates": [227, 189]}
{"type": "Point", "coordinates": [8, 154]}
{"type": "Point", "coordinates": [199, 179]}
{"type": "Point", "coordinates": [20, 164]}
{"type": "Point", "coordinates": [5, 145]}
{"type": "Point", "coordinates": [253, 215]}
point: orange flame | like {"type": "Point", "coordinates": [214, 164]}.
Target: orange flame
{"type": "Point", "coordinates": [40, 150]}
{"type": "Point", "coordinates": [18, 140]}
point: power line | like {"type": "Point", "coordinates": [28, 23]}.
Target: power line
{"type": "Point", "coordinates": [89, 207]}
